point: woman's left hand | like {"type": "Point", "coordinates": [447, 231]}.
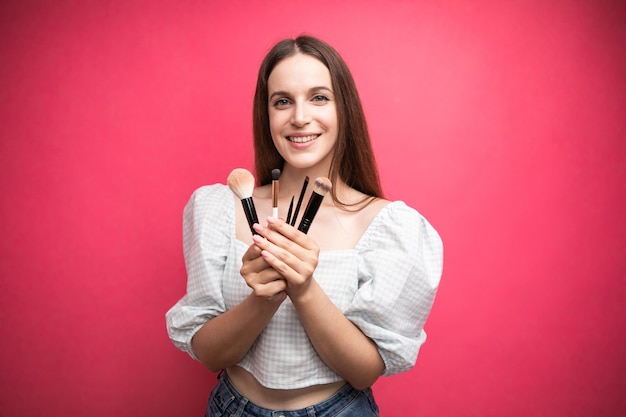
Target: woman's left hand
{"type": "Point", "coordinates": [290, 252]}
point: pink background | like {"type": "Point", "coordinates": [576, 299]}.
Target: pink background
{"type": "Point", "coordinates": [501, 121]}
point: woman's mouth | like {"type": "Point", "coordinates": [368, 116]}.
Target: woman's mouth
{"type": "Point", "coordinates": [302, 139]}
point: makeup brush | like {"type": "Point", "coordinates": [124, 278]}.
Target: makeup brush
{"type": "Point", "coordinates": [241, 182]}
{"type": "Point", "coordinates": [297, 210]}
{"type": "Point", "coordinates": [321, 187]}
{"type": "Point", "coordinates": [289, 211]}
{"type": "Point", "coordinates": [275, 176]}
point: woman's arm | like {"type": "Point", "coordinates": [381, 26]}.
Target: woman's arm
{"type": "Point", "coordinates": [224, 340]}
{"type": "Point", "coordinates": [340, 344]}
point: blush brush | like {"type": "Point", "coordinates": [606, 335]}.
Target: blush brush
{"type": "Point", "coordinates": [321, 186]}
{"type": "Point", "coordinates": [241, 183]}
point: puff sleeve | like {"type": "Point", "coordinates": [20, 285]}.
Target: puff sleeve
{"type": "Point", "coordinates": [400, 266]}
{"type": "Point", "coordinates": [206, 239]}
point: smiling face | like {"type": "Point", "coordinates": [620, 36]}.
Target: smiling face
{"type": "Point", "coordinates": [302, 112]}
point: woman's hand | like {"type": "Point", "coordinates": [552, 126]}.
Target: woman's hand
{"type": "Point", "coordinates": [261, 277]}
{"type": "Point", "coordinates": [289, 252]}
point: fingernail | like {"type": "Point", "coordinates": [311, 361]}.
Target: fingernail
{"type": "Point", "coordinates": [272, 220]}
{"type": "Point", "coordinates": [257, 227]}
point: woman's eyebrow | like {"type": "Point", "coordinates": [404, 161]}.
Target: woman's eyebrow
{"type": "Point", "coordinates": [278, 93]}
{"type": "Point", "coordinates": [316, 89]}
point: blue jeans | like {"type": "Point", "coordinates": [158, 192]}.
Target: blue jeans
{"type": "Point", "coordinates": [225, 401]}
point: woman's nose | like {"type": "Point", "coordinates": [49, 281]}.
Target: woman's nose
{"type": "Point", "coordinates": [300, 116]}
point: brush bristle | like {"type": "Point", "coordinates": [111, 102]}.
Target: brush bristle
{"type": "Point", "coordinates": [275, 174]}
{"type": "Point", "coordinates": [322, 186]}
{"type": "Point", "coordinates": [241, 182]}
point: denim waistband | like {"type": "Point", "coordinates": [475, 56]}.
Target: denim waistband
{"type": "Point", "coordinates": [226, 397]}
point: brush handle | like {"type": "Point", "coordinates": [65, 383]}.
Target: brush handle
{"type": "Point", "coordinates": [297, 210]}
{"type": "Point", "coordinates": [248, 208]}
{"type": "Point", "coordinates": [275, 198]}
{"type": "Point", "coordinates": [289, 211]}
{"type": "Point", "coordinates": [309, 213]}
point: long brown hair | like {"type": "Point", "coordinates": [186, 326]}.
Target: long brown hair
{"type": "Point", "coordinates": [353, 159]}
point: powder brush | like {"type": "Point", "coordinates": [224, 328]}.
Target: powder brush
{"type": "Point", "coordinates": [241, 183]}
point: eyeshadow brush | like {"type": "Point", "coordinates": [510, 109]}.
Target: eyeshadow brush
{"type": "Point", "coordinates": [275, 177]}
{"type": "Point", "coordinates": [297, 210]}
{"type": "Point", "coordinates": [289, 211]}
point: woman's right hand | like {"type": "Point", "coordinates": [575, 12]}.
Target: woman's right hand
{"type": "Point", "coordinates": [262, 278]}
{"type": "Point", "coordinates": [239, 327]}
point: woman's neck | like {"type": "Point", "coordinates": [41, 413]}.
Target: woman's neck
{"type": "Point", "coordinates": [291, 179]}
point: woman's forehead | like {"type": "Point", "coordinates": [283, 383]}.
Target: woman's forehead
{"type": "Point", "coordinates": [299, 71]}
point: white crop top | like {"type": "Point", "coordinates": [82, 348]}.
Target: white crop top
{"type": "Point", "coordinates": [386, 286]}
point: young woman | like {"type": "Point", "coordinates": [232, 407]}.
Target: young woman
{"type": "Point", "coordinates": [303, 324]}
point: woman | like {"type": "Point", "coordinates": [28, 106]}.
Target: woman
{"type": "Point", "coordinates": [294, 322]}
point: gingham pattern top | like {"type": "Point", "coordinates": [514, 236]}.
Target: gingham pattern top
{"type": "Point", "coordinates": [386, 286]}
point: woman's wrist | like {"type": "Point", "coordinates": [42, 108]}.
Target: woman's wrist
{"type": "Point", "coordinates": [305, 293]}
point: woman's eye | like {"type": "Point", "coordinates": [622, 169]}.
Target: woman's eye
{"type": "Point", "coordinates": [281, 102]}
{"type": "Point", "coordinates": [320, 98]}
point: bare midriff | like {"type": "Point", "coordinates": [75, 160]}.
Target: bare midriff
{"type": "Point", "coordinates": [280, 399]}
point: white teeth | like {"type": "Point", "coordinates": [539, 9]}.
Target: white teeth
{"type": "Point", "coordinates": [302, 139]}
